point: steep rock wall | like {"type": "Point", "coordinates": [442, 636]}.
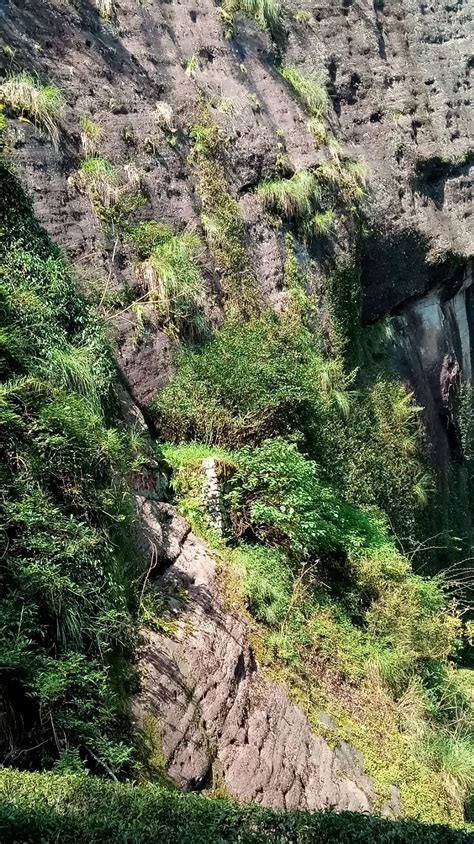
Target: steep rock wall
{"type": "Point", "coordinates": [398, 75]}
{"type": "Point", "coordinates": [399, 79]}
{"type": "Point", "coordinates": [220, 720]}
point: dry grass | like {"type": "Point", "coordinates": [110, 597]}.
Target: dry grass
{"type": "Point", "coordinates": [41, 104]}
{"type": "Point", "coordinates": [106, 9]}
{"type": "Point", "coordinates": [164, 117]}
{"type": "Point", "coordinates": [106, 182]}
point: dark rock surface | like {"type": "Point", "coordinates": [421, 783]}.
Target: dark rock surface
{"type": "Point", "coordinates": [399, 77]}
{"type": "Point", "coordinates": [218, 715]}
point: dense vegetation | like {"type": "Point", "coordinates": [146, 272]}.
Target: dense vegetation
{"type": "Point", "coordinates": [46, 807]}
{"type": "Point", "coordinates": [66, 573]}
{"type": "Point", "coordinates": [327, 502]}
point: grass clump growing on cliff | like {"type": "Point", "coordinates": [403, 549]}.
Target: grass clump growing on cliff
{"type": "Point", "coordinates": [27, 98]}
{"type": "Point", "coordinates": [267, 13]}
{"type": "Point", "coordinates": [106, 9]}
{"type": "Point", "coordinates": [114, 191]}
{"type": "Point", "coordinates": [311, 91]}
{"type": "Point", "coordinates": [170, 271]}
{"type": "Point", "coordinates": [221, 220]}
{"type": "Point", "coordinates": [91, 137]}
{"type": "Point", "coordinates": [292, 197]}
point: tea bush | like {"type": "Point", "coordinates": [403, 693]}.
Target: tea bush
{"type": "Point", "coordinates": [49, 808]}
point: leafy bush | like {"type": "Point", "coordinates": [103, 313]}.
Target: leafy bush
{"type": "Point", "coordinates": [66, 603]}
{"type": "Point", "coordinates": [43, 104]}
{"type": "Point", "coordinates": [250, 381]}
{"type": "Point", "coordinates": [278, 494]}
{"type": "Point", "coordinates": [72, 808]}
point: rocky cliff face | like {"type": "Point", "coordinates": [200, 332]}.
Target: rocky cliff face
{"type": "Point", "coordinates": [398, 76]}
{"type": "Point", "coordinates": [221, 722]}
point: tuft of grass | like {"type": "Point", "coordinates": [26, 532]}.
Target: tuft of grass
{"type": "Point", "coordinates": [91, 135]}
{"type": "Point", "coordinates": [165, 117]}
{"type": "Point", "coordinates": [27, 98]}
{"type": "Point", "coordinates": [453, 755]}
{"type": "Point", "coordinates": [302, 16]}
{"type": "Point", "coordinates": [322, 222]}
{"type": "Point", "coordinates": [292, 197]}
{"type": "Point", "coordinates": [191, 66]}
{"type": "Point", "coordinates": [266, 12]}
{"type": "Point", "coordinates": [311, 91]}
{"type": "Point", "coordinates": [114, 191]}
{"type": "Point", "coordinates": [318, 130]}
{"type": "Point", "coordinates": [106, 9]}
{"type": "Point", "coordinates": [170, 272]}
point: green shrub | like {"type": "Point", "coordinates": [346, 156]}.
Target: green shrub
{"type": "Point", "coordinates": [250, 381]}
{"type": "Point", "coordinates": [43, 104]}
{"type": "Point", "coordinates": [278, 494]}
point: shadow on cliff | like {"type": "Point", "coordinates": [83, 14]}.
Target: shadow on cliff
{"type": "Point", "coordinates": [51, 30]}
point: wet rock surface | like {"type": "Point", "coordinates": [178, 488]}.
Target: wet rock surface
{"type": "Point", "coordinates": [219, 717]}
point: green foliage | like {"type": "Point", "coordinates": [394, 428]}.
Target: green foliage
{"type": "Point", "coordinates": [322, 222]}
{"type": "Point", "coordinates": [66, 592]}
{"type": "Point", "coordinates": [453, 755]}
{"type": "Point", "coordinates": [302, 16]}
{"type": "Point", "coordinates": [42, 104]}
{"type": "Point", "coordinates": [250, 381]}
{"type": "Point", "coordinates": [278, 494]}
{"type": "Point", "coordinates": [74, 808]}
{"type": "Point", "coordinates": [377, 457]}
{"type": "Point", "coordinates": [294, 197]}
{"type": "Point", "coordinates": [169, 270]}
{"type": "Point", "coordinates": [191, 66]}
{"type": "Point", "coordinates": [221, 220]}
{"type": "Point", "coordinates": [311, 91]}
